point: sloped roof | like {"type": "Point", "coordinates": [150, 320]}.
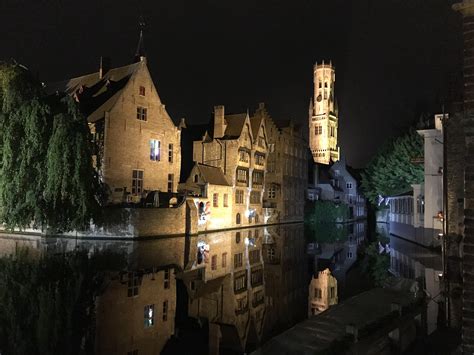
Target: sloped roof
{"type": "Point", "coordinates": [235, 124]}
{"type": "Point", "coordinates": [96, 95]}
{"type": "Point", "coordinates": [255, 123]}
{"type": "Point", "coordinates": [212, 175]}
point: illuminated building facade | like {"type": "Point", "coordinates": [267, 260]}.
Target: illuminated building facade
{"type": "Point", "coordinates": [138, 145]}
{"type": "Point", "coordinates": [237, 144]}
{"type": "Point", "coordinates": [323, 116]}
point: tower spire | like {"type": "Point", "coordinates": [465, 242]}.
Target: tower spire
{"type": "Point", "coordinates": [140, 52]}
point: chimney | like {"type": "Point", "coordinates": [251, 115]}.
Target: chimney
{"type": "Point", "coordinates": [104, 66]}
{"type": "Point", "coordinates": [219, 121]}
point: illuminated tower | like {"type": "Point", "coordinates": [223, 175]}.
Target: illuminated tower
{"type": "Point", "coordinates": [323, 116]}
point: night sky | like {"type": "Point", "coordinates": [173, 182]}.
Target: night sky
{"type": "Point", "coordinates": [394, 59]}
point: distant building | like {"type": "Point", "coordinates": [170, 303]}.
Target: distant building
{"type": "Point", "coordinates": [322, 292]}
{"type": "Point", "coordinates": [286, 177]}
{"type": "Point", "coordinates": [336, 183]}
{"type": "Point", "coordinates": [323, 116]}
{"type": "Point", "coordinates": [138, 145]}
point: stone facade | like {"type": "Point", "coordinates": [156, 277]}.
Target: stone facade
{"type": "Point", "coordinates": [136, 312]}
{"type": "Point", "coordinates": [237, 144]}
{"type": "Point", "coordinates": [286, 178]}
{"type": "Point", "coordinates": [138, 145]}
{"type": "Point", "coordinates": [323, 116]}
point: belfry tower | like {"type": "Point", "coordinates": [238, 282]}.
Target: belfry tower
{"type": "Point", "coordinates": [323, 116]}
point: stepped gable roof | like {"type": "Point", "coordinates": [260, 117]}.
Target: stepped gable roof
{"type": "Point", "coordinates": [213, 175]}
{"type": "Point", "coordinates": [96, 95]}
{"type": "Point", "coordinates": [235, 124]}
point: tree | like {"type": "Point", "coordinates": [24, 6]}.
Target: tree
{"type": "Point", "coordinates": [46, 175]}
{"type": "Point", "coordinates": [392, 171]}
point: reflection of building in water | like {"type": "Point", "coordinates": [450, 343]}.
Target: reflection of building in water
{"type": "Point", "coordinates": [286, 277]}
{"type": "Point", "coordinates": [136, 312]}
{"type": "Point", "coordinates": [340, 254]}
{"type": "Point", "coordinates": [414, 262]}
{"type": "Point", "coordinates": [322, 292]}
{"type": "Point", "coordinates": [225, 287]}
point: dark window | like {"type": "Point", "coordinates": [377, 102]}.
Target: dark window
{"type": "Point", "coordinates": [237, 218]}
{"type": "Point", "coordinates": [224, 259]}
{"type": "Point", "coordinates": [238, 260]}
{"type": "Point", "coordinates": [214, 262]}
{"type": "Point", "coordinates": [167, 279]}
{"type": "Point", "coordinates": [137, 182]}
{"type": "Point", "coordinates": [170, 182]}
{"type": "Point", "coordinates": [141, 91]}
{"type": "Point", "coordinates": [237, 237]}
{"type": "Point", "coordinates": [141, 113]}
{"type": "Point", "coordinates": [165, 311]}
{"type": "Point", "coordinates": [170, 153]}
{"type": "Point", "coordinates": [133, 284]}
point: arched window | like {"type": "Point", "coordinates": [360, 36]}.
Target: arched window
{"type": "Point", "coordinates": [237, 218]}
{"type": "Point", "coordinates": [237, 237]}
{"type": "Point", "coordinates": [196, 178]}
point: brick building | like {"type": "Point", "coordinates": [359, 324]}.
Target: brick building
{"type": "Point", "coordinates": [138, 145]}
{"type": "Point", "coordinates": [237, 144]}
{"type": "Point", "coordinates": [286, 177]}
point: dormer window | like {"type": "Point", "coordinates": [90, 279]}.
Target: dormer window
{"type": "Point", "coordinates": [141, 91]}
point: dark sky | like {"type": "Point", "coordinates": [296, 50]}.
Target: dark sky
{"type": "Point", "coordinates": [394, 58]}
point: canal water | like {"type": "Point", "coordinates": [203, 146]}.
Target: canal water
{"type": "Point", "coordinates": [224, 292]}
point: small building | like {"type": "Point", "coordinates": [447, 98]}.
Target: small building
{"type": "Point", "coordinates": [336, 183]}
{"type": "Point", "coordinates": [322, 292]}
{"type": "Point", "coordinates": [212, 193]}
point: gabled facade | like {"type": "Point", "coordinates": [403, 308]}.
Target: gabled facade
{"type": "Point", "coordinates": [286, 177]}
{"type": "Point", "coordinates": [238, 145]}
{"type": "Point", "coordinates": [138, 143]}
{"type": "Point", "coordinates": [212, 194]}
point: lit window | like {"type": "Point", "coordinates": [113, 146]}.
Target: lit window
{"type": "Point", "coordinates": [165, 311]}
{"type": "Point", "coordinates": [226, 200]}
{"type": "Point", "coordinates": [149, 315]}
{"type": "Point", "coordinates": [170, 153]}
{"type": "Point", "coordinates": [137, 182]}
{"type": "Point", "coordinates": [141, 91]}
{"type": "Point", "coordinates": [215, 200]}
{"type": "Point", "coordinates": [242, 175]}
{"type": "Point", "coordinates": [155, 149]}
{"type": "Point", "coordinates": [214, 262]}
{"type": "Point", "coordinates": [141, 113]}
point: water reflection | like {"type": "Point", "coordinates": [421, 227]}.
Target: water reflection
{"type": "Point", "coordinates": [411, 261]}
{"type": "Point", "coordinates": [225, 292]}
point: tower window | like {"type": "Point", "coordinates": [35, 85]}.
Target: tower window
{"type": "Point", "coordinates": [318, 130]}
{"type": "Point", "coordinates": [320, 84]}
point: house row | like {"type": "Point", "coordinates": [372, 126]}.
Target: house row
{"type": "Point", "coordinates": [238, 170]}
